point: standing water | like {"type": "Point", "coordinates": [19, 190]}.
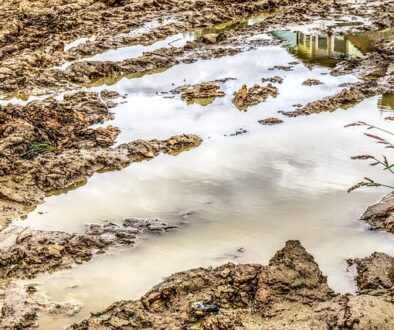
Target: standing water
{"type": "Point", "coordinates": [238, 197]}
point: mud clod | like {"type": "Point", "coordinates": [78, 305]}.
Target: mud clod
{"type": "Point", "coordinates": [291, 292]}
{"type": "Point", "coordinates": [247, 97]}
{"type": "Point", "coordinates": [203, 94]}
{"type": "Point", "coordinates": [312, 82]}
{"type": "Point", "coordinates": [380, 216]}
{"type": "Point", "coordinates": [271, 121]}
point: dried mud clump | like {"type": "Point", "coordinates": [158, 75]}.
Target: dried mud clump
{"type": "Point", "coordinates": [289, 293]}
{"type": "Point", "coordinates": [312, 82]}
{"type": "Point", "coordinates": [24, 252]}
{"type": "Point", "coordinates": [201, 92]}
{"type": "Point", "coordinates": [375, 274]}
{"type": "Point", "coordinates": [380, 216]}
{"type": "Point", "coordinates": [247, 97]}
{"type": "Point", "coordinates": [271, 121]}
{"type": "Point", "coordinates": [49, 145]}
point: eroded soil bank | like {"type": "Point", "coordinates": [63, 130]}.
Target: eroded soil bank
{"type": "Point", "coordinates": [289, 293]}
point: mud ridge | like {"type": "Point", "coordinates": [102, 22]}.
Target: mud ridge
{"type": "Point", "coordinates": [49, 145]}
{"type": "Point", "coordinates": [289, 293]}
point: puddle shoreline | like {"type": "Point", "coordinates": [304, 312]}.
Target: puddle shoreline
{"type": "Point", "coordinates": [269, 89]}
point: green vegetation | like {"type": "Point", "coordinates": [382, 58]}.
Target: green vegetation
{"type": "Point", "coordinates": [383, 162]}
{"type": "Point", "coordinates": [38, 148]}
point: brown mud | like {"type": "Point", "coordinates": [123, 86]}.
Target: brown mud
{"type": "Point", "coordinates": [32, 40]}
{"type": "Point", "coordinates": [380, 216]}
{"type": "Point", "coordinates": [204, 93]}
{"type": "Point", "coordinates": [49, 145]}
{"type": "Point", "coordinates": [25, 253]}
{"type": "Point", "coordinates": [290, 293]}
{"type": "Point", "coordinates": [20, 305]}
{"type": "Point", "coordinates": [247, 97]}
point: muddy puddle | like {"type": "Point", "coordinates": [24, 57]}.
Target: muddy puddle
{"type": "Point", "coordinates": [238, 197]}
{"type": "Point", "coordinates": [120, 54]}
{"type": "Point", "coordinates": [328, 49]}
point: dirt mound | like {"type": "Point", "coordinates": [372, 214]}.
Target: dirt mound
{"type": "Point", "coordinates": [247, 97]}
{"type": "Point", "coordinates": [289, 293]}
{"type": "Point", "coordinates": [201, 93]}
{"type": "Point", "coordinates": [380, 216]}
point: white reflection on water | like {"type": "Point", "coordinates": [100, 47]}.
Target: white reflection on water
{"type": "Point", "coordinates": [254, 191]}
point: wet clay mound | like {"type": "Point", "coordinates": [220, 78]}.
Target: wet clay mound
{"type": "Point", "coordinates": [247, 97]}
{"type": "Point", "coordinates": [380, 216]}
{"type": "Point", "coordinates": [49, 145]}
{"type": "Point", "coordinates": [24, 253]}
{"type": "Point", "coordinates": [375, 273]}
{"type": "Point", "coordinates": [289, 293]}
{"type": "Point", "coordinates": [203, 93]}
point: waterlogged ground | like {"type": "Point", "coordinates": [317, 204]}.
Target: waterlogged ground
{"type": "Point", "coordinates": [238, 197]}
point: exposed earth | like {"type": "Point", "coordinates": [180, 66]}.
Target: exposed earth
{"type": "Point", "coordinates": [54, 137]}
{"type": "Point", "coordinates": [289, 293]}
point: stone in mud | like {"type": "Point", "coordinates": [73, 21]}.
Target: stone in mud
{"type": "Point", "coordinates": [312, 82]}
{"type": "Point", "coordinates": [247, 97]}
{"type": "Point", "coordinates": [271, 121]}
{"type": "Point", "coordinates": [380, 216]}
{"type": "Point", "coordinates": [289, 293]}
{"type": "Point", "coordinates": [24, 252]}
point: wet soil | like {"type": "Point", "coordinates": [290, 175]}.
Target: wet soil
{"type": "Point", "coordinates": [56, 143]}
{"type": "Point", "coordinates": [289, 293]}
{"type": "Point", "coordinates": [33, 40]}
{"type": "Point", "coordinates": [25, 253]}
{"type": "Point", "coordinates": [203, 94]}
{"type": "Point", "coordinates": [50, 145]}
{"type": "Point", "coordinates": [247, 97]}
{"type": "Point", "coordinates": [380, 216]}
